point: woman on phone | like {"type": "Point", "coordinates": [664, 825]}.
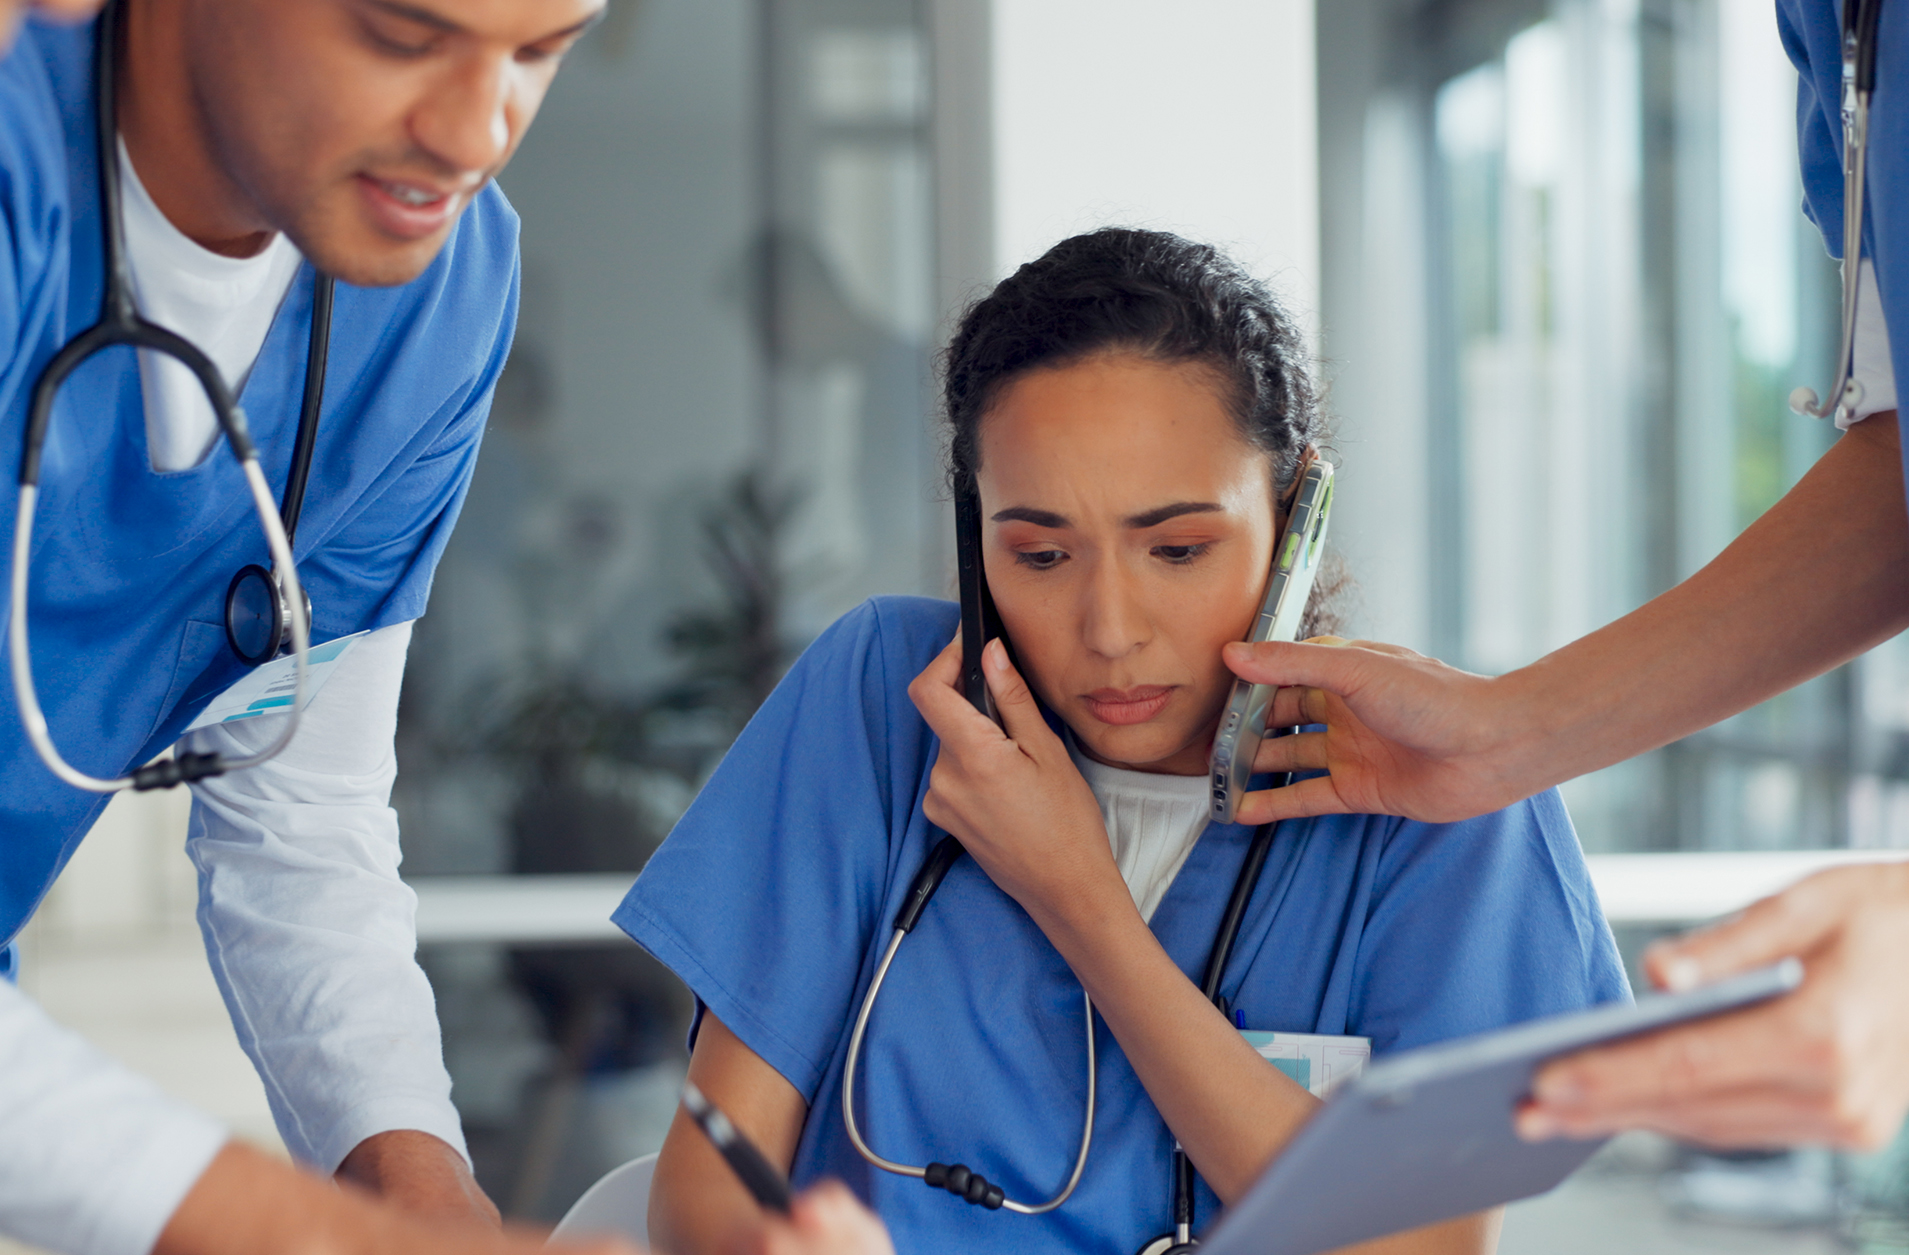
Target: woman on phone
{"type": "Point", "coordinates": [1133, 410]}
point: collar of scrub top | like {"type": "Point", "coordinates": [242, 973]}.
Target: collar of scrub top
{"type": "Point", "coordinates": [120, 325]}
{"type": "Point", "coordinates": [1859, 26]}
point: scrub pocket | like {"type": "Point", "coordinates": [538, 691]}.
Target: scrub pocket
{"type": "Point", "coordinates": [1319, 1063]}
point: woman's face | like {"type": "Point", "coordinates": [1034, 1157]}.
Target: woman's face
{"type": "Point", "coordinates": [1127, 529]}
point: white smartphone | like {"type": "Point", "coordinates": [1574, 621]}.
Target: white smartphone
{"type": "Point", "coordinates": [1295, 564]}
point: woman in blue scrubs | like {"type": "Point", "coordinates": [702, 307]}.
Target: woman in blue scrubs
{"type": "Point", "coordinates": [1130, 407]}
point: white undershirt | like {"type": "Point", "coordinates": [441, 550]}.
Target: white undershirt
{"type": "Point", "coordinates": [309, 930]}
{"type": "Point", "coordinates": [1153, 822]}
{"type": "Point", "coordinates": [1872, 365]}
{"type": "Point", "coordinates": [225, 305]}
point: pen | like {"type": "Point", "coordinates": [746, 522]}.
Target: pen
{"type": "Point", "coordinates": [757, 1174]}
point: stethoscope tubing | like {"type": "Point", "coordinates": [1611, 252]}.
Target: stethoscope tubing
{"type": "Point", "coordinates": [121, 326]}
{"type": "Point", "coordinates": [1861, 20]}
{"type": "Point", "coordinates": [20, 657]}
{"type": "Point", "coordinates": [907, 1170]}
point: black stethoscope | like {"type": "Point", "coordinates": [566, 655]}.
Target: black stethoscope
{"type": "Point", "coordinates": [970, 1186]}
{"type": "Point", "coordinates": [266, 610]}
{"type": "Point", "coordinates": [1859, 26]}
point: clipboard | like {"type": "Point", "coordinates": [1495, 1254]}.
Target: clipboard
{"type": "Point", "coordinates": [1427, 1134]}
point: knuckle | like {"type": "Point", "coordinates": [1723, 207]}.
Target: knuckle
{"type": "Point", "coordinates": [1851, 1123]}
{"type": "Point", "coordinates": [1686, 1061]}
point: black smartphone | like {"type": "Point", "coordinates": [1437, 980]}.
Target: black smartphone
{"type": "Point", "coordinates": [979, 622]}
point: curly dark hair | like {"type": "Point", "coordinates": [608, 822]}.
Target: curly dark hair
{"type": "Point", "coordinates": [1156, 295]}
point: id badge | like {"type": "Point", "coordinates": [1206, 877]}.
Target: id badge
{"type": "Point", "coordinates": [267, 689]}
{"type": "Point", "coordinates": [1318, 1063]}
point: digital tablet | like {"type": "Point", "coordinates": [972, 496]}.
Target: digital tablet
{"type": "Point", "coordinates": [1427, 1134]}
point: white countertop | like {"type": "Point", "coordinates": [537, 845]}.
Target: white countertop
{"type": "Point", "coordinates": [1634, 888]}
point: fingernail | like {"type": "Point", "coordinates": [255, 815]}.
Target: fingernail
{"type": "Point", "coordinates": [995, 656]}
{"type": "Point", "coordinates": [1559, 1088]}
{"type": "Point", "coordinates": [1536, 1126]}
{"type": "Point", "coordinates": [1682, 974]}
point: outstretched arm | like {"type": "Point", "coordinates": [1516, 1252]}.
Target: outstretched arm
{"type": "Point", "coordinates": [697, 1206]}
{"type": "Point", "coordinates": [1820, 578]}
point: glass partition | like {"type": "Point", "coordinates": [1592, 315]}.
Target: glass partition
{"type": "Point", "coordinates": [713, 437]}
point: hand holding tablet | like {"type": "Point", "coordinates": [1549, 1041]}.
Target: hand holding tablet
{"type": "Point", "coordinates": [1428, 1134]}
{"type": "Point", "coordinates": [1825, 1067]}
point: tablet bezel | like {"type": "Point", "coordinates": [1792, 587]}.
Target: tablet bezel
{"type": "Point", "coordinates": [1427, 1134]}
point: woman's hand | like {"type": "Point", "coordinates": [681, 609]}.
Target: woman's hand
{"type": "Point", "coordinates": [1014, 799]}
{"type": "Point", "coordinates": [827, 1220]}
{"type": "Point", "coordinates": [1824, 1065]}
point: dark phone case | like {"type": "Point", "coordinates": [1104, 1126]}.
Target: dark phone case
{"type": "Point", "coordinates": [979, 622]}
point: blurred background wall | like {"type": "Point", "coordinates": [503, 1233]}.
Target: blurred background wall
{"type": "Point", "coordinates": [1550, 253]}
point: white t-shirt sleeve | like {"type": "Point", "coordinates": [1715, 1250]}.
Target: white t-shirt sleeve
{"type": "Point", "coordinates": [95, 1158]}
{"type": "Point", "coordinates": [1872, 366]}
{"type": "Point", "coordinates": [311, 934]}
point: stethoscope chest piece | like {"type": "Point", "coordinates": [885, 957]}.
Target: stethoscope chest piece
{"type": "Point", "coordinates": [258, 620]}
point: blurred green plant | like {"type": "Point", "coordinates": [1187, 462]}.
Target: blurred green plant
{"type": "Point", "coordinates": [601, 775]}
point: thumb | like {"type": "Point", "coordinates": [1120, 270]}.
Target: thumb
{"type": "Point", "coordinates": [1020, 714]}
{"type": "Point", "coordinates": [1792, 922]}
{"type": "Point", "coordinates": [1325, 663]}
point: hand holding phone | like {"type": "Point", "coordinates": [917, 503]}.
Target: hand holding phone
{"type": "Point", "coordinates": [980, 623]}
{"type": "Point", "coordinates": [1296, 562]}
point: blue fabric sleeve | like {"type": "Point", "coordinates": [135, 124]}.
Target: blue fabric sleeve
{"type": "Point", "coordinates": [768, 892]}
{"type": "Point", "coordinates": [1477, 925]}
{"type": "Point", "coordinates": [1819, 130]}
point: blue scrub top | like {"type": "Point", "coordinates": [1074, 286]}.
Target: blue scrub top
{"type": "Point", "coordinates": [1812, 35]}
{"type": "Point", "coordinates": [776, 893]}
{"type": "Point", "coordinates": [130, 567]}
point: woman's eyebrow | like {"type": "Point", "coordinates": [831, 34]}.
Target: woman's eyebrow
{"type": "Point", "coordinates": [1152, 518]}
{"type": "Point", "coordinates": [1160, 514]}
{"type": "Point", "coordinates": [1027, 514]}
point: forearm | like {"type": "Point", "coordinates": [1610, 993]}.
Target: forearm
{"type": "Point", "coordinates": [94, 1157]}
{"type": "Point", "coordinates": [248, 1203]}
{"type": "Point", "coordinates": [310, 931]}
{"type": "Point", "coordinates": [1820, 578]}
{"type": "Point", "coordinates": [420, 1172]}
{"type": "Point", "coordinates": [1231, 1111]}
{"type": "Point", "coordinates": [697, 1205]}
{"type": "Point", "coordinates": [1228, 1108]}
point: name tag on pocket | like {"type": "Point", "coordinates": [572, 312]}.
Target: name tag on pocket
{"type": "Point", "coordinates": [1313, 1060]}
{"type": "Point", "coordinates": [267, 689]}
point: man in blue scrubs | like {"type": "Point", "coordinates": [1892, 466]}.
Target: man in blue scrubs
{"type": "Point", "coordinates": [261, 139]}
{"type": "Point", "coordinates": [1820, 578]}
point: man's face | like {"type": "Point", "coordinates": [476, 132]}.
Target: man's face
{"type": "Point", "coordinates": [363, 128]}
